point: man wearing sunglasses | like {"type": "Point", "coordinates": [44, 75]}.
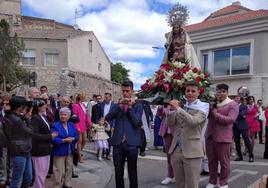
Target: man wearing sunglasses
{"type": "Point", "coordinates": [186, 148]}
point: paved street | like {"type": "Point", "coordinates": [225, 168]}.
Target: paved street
{"type": "Point", "coordinates": [152, 170]}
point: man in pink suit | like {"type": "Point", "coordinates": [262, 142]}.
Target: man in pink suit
{"type": "Point", "coordinates": [219, 134]}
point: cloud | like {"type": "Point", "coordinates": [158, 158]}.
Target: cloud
{"type": "Point", "coordinates": [64, 10]}
{"type": "Point", "coordinates": [139, 71]}
{"type": "Point", "coordinates": [127, 30]}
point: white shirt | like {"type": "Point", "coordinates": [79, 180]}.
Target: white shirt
{"type": "Point", "coordinates": [107, 108]}
{"type": "Point", "coordinates": [44, 119]}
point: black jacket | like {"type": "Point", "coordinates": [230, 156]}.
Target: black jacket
{"type": "Point", "coordinates": [241, 122]}
{"type": "Point", "coordinates": [19, 134]}
{"type": "Point", "coordinates": [42, 139]}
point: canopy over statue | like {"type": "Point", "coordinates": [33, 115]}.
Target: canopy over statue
{"type": "Point", "coordinates": [179, 65]}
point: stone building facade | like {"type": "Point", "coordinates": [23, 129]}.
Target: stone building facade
{"type": "Point", "coordinates": [53, 49]}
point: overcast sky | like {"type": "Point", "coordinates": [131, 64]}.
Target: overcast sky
{"type": "Point", "coordinates": [128, 29]}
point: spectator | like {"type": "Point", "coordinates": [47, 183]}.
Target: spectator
{"type": "Point", "coordinates": [4, 158]}
{"type": "Point", "coordinates": [64, 146]}
{"type": "Point", "coordinates": [260, 119]}
{"type": "Point", "coordinates": [252, 119]}
{"type": "Point", "coordinates": [265, 155]}
{"type": "Point", "coordinates": [41, 142]}
{"type": "Point", "coordinates": [19, 135]}
{"type": "Point", "coordinates": [33, 93]}
{"type": "Point", "coordinates": [105, 107]}
{"type": "Point", "coordinates": [43, 89]}
{"type": "Point", "coordinates": [241, 128]}
{"type": "Point", "coordinates": [80, 110]}
{"type": "Point", "coordinates": [101, 137]}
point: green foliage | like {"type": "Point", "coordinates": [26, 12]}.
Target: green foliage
{"type": "Point", "coordinates": [119, 73]}
{"type": "Point", "coordinates": [11, 75]}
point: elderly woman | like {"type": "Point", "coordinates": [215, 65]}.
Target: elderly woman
{"type": "Point", "coordinates": [63, 148]}
{"type": "Point", "coordinates": [42, 138]}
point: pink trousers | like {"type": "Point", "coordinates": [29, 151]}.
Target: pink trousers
{"type": "Point", "coordinates": [167, 138]}
{"type": "Point", "coordinates": [41, 167]}
{"type": "Point", "coordinates": [217, 151]}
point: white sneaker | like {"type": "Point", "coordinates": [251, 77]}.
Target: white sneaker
{"type": "Point", "coordinates": [100, 158]}
{"type": "Point", "coordinates": [210, 185]}
{"type": "Point", "coordinates": [167, 180]}
{"type": "Point", "coordinates": [224, 186]}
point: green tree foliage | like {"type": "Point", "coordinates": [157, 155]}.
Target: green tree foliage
{"type": "Point", "coordinates": [119, 72]}
{"type": "Point", "coordinates": [11, 74]}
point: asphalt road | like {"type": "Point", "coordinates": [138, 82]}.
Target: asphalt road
{"type": "Point", "coordinates": [152, 169]}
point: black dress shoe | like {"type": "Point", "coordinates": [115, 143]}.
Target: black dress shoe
{"type": "Point", "coordinates": [74, 175]}
{"type": "Point", "coordinates": [65, 186]}
{"type": "Point", "coordinates": [142, 154]}
{"type": "Point", "coordinates": [251, 160]}
{"type": "Point", "coordinates": [239, 159]}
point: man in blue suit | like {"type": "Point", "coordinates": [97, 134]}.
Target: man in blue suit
{"type": "Point", "coordinates": [126, 136]}
{"type": "Point", "coordinates": [104, 108]}
{"type": "Point", "coordinates": [241, 128]}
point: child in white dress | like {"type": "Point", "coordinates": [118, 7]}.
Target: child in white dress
{"type": "Point", "coordinates": [100, 138]}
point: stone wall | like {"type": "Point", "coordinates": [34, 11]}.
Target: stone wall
{"type": "Point", "coordinates": [70, 83]}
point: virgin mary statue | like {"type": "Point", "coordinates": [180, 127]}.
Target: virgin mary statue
{"type": "Point", "coordinates": [178, 45]}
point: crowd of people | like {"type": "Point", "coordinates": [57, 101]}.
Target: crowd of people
{"type": "Point", "coordinates": [43, 136]}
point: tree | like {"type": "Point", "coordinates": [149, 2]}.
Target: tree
{"type": "Point", "coordinates": [119, 73]}
{"type": "Point", "coordinates": [11, 74]}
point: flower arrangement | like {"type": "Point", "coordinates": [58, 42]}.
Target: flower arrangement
{"type": "Point", "coordinates": [169, 82]}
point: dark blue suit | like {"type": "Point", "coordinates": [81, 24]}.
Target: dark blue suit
{"type": "Point", "coordinates": [126, 139]}
{"type": "Point", "coordinates": [101, 113]}
{"type": "Point", "coordinates": [241, 128]}
{"type": "Point", "coordinates": [111, 122]}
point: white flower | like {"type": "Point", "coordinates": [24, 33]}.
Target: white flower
{"type": "Point", "coordinates": [168, 76]}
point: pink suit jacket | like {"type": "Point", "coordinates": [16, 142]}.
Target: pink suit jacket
{"type": "Point", "coordinates": [84, 118]}
{"type": "Point", "coordinates": [220, 124]}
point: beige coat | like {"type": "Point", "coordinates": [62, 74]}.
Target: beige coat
{"type": "Point", "coordinates": [190, 124]}
{"type": "Point", "coordinates": [100, 133]}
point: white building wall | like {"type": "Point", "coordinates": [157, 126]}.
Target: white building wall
{"type": "Point", "coordinates": [80, 58]}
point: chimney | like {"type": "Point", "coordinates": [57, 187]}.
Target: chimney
{"type": "Point", "coordinates": [236, 3]}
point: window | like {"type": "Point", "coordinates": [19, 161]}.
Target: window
{"type": "Point", "coordinates": [28, 57]}
{"type": "Point", "coordinates": [240, 60]}
{"type": "Point", "coordinates": [99, 67]}
{"type": "Point", "coordinates": [205, 62]}
{"type": "Point", "coordinates": [90, 45]}
{"type": "Point", "coordinates": [232, 61]}
{"type": "Point", "coordinates": [51, 58]}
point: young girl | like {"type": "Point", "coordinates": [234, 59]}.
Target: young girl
{"type": "Point", "coordinates": [101, 136]}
